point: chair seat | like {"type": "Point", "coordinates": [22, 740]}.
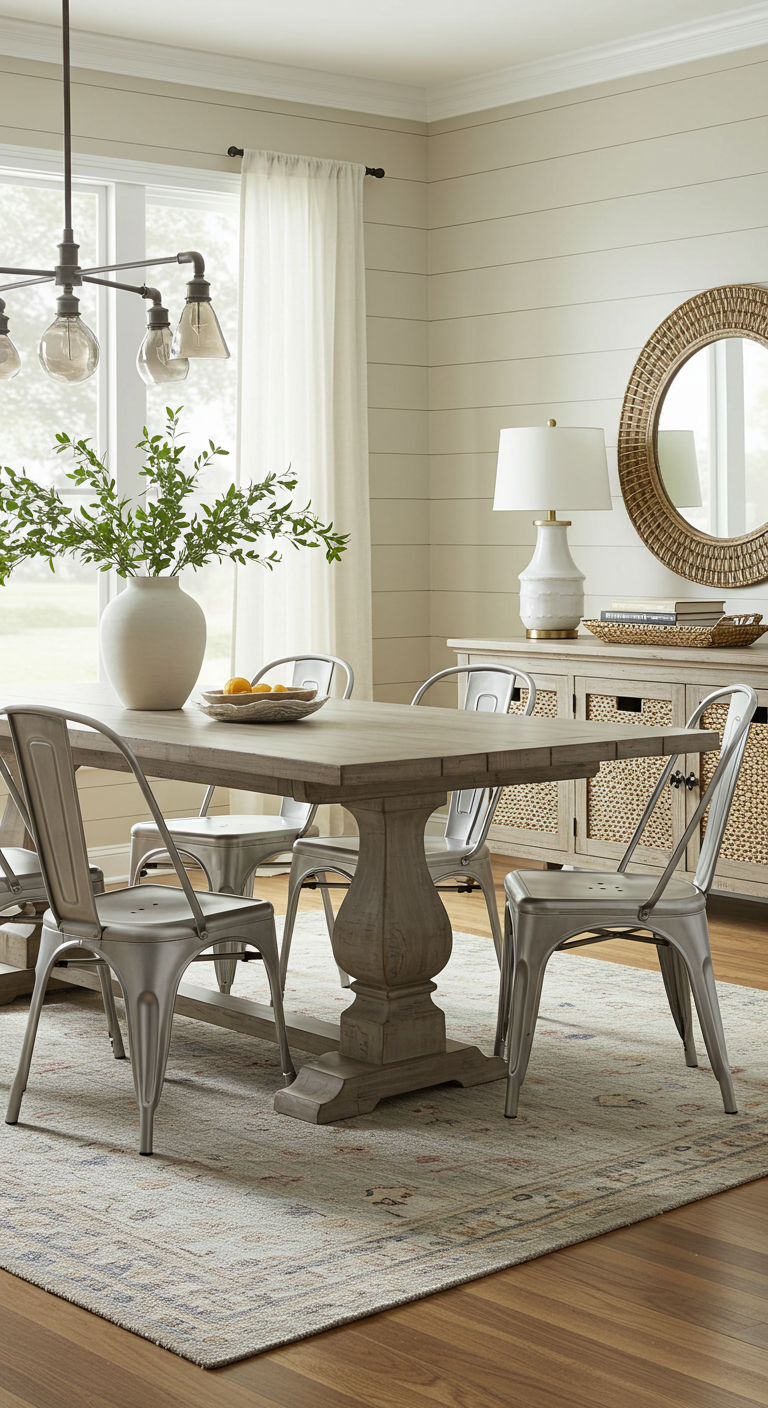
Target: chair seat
{"type": "Point", "coordinates": [345, 849]}
{"type": "Point", "coordinates": [156, 913]}
{"type": "Point", "coordinates": [604, 897]}
{"type": "Point", "coordinates": [224, 830]}
{"type": "Point", "coordinates": [26, 866]}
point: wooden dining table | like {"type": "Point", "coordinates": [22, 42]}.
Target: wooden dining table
{"type": "Point", "coordinates": [391, 766]}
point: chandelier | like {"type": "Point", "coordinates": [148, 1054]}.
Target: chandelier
{"type": "Point", "coordinates": [69, 350]}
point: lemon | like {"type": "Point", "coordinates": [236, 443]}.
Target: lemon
{"type": "Point", "coordinates": [262, 689]}
{"type": "Point", "coordinates": [237, 686]}
{"type": "Point", "coordinates": [279, 689]}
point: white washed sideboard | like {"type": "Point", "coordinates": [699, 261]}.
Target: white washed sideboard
{"type": "Point", "coordinates": [588, 822]}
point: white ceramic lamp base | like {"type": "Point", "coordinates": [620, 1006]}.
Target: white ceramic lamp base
{"type": "Point", "coordinates": [551, 587]}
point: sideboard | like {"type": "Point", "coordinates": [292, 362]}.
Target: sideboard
{"type": "Point", "coordinates": [588, 823]}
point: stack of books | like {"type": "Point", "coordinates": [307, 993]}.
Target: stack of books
{"type": "Point", "coordinates": [665, 611]}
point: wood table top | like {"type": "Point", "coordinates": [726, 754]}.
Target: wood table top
{"type": "Point", "coordinates": [353, 747]}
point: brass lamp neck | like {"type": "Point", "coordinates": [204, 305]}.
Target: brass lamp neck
{"type": "Point", "coordinates": [551, 520]}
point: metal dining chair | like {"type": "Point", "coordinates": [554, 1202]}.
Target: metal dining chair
{"type": "Point", "coordinates": [146, 935]}
{"type": "Point", "coordinates": [461, 850]}
{"type": "Point", "coordinates": [229, 849]}
{"type": "Point", "coordinates": [548, 911]}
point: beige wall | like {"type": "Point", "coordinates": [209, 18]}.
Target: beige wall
{"type": "Point", "coordinates": [562, 231]}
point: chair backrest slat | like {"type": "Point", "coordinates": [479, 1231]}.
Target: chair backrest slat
{"type": "Point", "coordinates": [44, 756]}
{"type": "Point", "coordinates": [309, 672]}
{"type": "Point", "coordinates": [717, 798]}
{"type": "Point", "coordinates": [741, 706]}
{"type": "Point", "coordinates": [489, 691]}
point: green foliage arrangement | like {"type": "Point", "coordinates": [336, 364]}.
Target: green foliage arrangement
{"type": "Point", "coordinates": [167, 534]}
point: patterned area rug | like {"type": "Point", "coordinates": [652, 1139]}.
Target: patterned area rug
{"type": "Point", "coordinates": [248, 1229]}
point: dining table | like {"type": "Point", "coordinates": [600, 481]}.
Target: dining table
{"type": "Point", "coordinates": [392, 766]}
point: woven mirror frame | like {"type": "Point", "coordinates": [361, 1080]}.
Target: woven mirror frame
{"type": "Point", "coordinates": [737, 310]}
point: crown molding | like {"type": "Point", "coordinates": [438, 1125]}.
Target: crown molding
{"type": "Point", "coordinates": [643, 53]}
{"type": "Point", "coordinates": [24, 39]}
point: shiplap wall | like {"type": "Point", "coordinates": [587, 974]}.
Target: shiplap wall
{"type": "Point", "coordinates": [177, 125]}
{"type": "Point", "coordinates": [562, 231]}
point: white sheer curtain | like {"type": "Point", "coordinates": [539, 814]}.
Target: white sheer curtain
{"type": "Point", "coordinates": [303, 403]}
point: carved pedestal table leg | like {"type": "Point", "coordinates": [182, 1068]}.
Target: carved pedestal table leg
{"type": "Point", "coordinates": [393, 936]}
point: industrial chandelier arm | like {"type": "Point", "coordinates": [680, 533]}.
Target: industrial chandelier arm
{"type": "Point", "coordinates": [26, 283]}
{"type": "Point", "coordinates": [40, 273]}
{"type": "Point", "coordinates": [68, 349]}
{"type": "Point", "coordinates": [142, 290]}
{"type": "Point", "coordinates": [189, 256]}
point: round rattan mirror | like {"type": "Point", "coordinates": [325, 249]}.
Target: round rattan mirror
{"type": "Point", "coordinates": [693, 439]}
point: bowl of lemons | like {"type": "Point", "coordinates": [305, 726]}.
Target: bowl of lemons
{"type": "Point", "coordinates": [241, 702]}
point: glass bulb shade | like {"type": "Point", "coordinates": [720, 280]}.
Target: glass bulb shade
{"type": "Point", "coordinates": [10, 361]}
{"type": "Point", "coordinates": [68, 350]}
{"type": "Point", "coordinates": [154, 360]}
{"type": "Point", "coordinates": [198, 333]}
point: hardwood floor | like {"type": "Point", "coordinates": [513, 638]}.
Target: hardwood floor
{"type": "Point", "coordinates": [672, 1311]}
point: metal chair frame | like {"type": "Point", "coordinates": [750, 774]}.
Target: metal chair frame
{"type": "Point", "coordinates": [228, 858]}
{"type": "Point", "coordinates": [148, 956]}
{"type": "Point", "coordinates": [470, 815]}
{"type": "Point", "coordinates": [538, 925]}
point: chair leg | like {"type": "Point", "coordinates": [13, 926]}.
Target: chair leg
{"type": "Point", "coordinates": [505, 985]}
{"type": "Point", "coordinates": [225, 969]}
{"type": "Point", "coordinates": [149, 975]}
{"type": "Point", "coordinates": [530, 962]}
{"type": "Point", "coordinates": [678, 990]}
{"type": "Point", "coordinates": [482, 872]}
{"type": "Point", "coordinates": [294, 892]}
{"type": "Point", "coordinates": [50, 943]}
{"type": "Point", "coordinates": [330, 919]}
{"type": "Point", "coordinates": [267, 946]}
{"type": "Point", "coordinates": [113, 1026]}
{"type": "Point", "coordinates": [692, 940]}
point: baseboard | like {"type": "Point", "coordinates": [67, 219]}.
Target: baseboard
{"type": "Point", "coordinates": [113, 860]}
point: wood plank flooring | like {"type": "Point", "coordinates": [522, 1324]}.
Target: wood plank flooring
{"type": "Point", "coordinates": [668, 1313]}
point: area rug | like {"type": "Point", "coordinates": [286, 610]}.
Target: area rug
{"type": "Point", "coordinates": [248, 1229]}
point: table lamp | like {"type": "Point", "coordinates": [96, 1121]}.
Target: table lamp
{"type": "Point", "coordinates": [679, 467]}
{"type": "Point", "coordinates": [539, 466]}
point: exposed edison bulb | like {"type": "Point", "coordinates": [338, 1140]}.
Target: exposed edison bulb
{"type": "Point", "coordinates": [68, 349]}
{"type": "Point", "coordinates": [10, 361]}
{"type": "Point", "coordinates": [155, 362]}
{"type": "Point", "coordinates": [198, 333]}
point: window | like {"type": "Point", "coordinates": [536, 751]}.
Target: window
{"type": "Point", "coordinates": [49, 622]}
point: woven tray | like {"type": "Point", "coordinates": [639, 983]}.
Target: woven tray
{"type": "Point", "coordinates": [729, 630]}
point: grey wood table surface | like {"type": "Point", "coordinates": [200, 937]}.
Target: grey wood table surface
{"type": "Point", "coordinates": [391, 766]}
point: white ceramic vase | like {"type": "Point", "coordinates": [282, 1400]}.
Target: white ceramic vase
{"type": "Point", "coordinates": [152, 638]}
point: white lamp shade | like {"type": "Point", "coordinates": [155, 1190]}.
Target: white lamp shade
{"type": "Point", "coordinates": [679, 466]}
{"type": "Point", "coordinates": [544, 467]}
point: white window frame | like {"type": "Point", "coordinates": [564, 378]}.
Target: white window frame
{"type": "Point", "coordinates": [124, 189]}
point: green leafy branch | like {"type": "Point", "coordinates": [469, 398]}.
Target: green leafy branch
{"type": "Point", "coordinates": [167, 533]}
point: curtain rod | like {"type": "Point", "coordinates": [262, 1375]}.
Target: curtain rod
{"type": "Point", "coordinates": [377, 171]}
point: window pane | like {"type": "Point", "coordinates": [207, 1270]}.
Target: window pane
{"type": "Point", "coordinates": [48, 623]}
{"type": "Point", "coordinates": [209, 394]}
